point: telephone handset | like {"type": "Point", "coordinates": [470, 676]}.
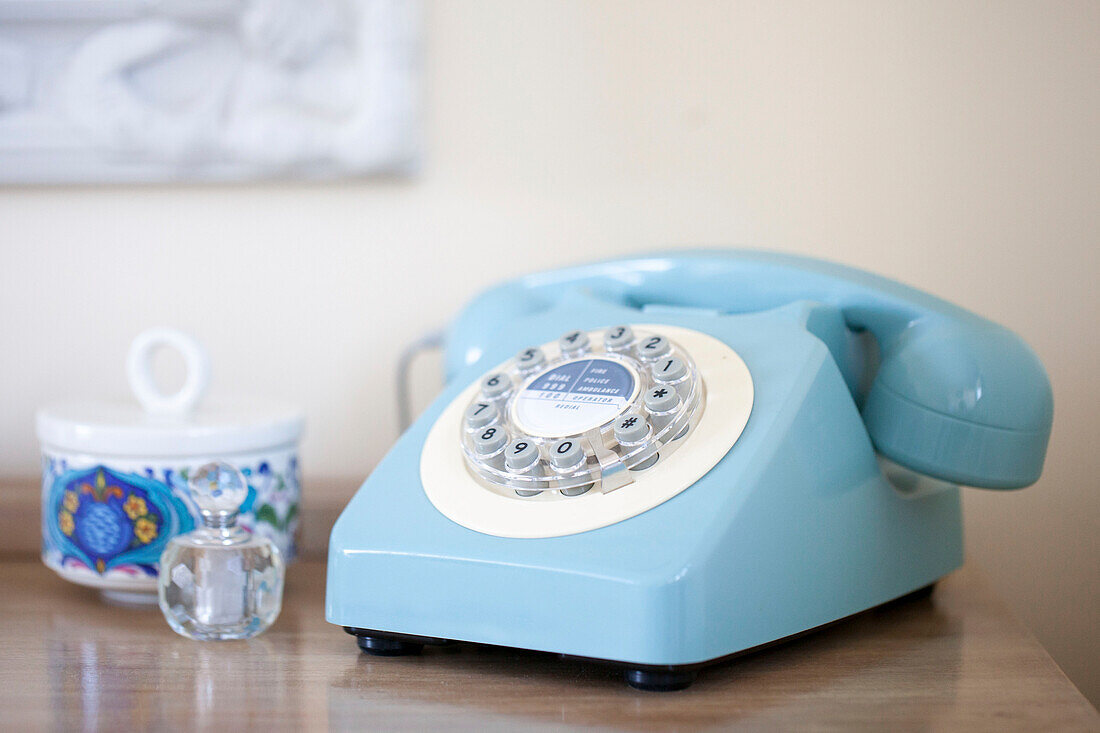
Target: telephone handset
{"type": "Point", "coordinates": [955, 396]}
{"type": "Point", "coordinates": [686, 447]}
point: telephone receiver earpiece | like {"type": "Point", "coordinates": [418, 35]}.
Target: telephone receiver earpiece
{"type": "Point", "coordinates": [955, 396]}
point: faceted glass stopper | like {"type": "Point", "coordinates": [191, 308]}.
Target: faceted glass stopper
{"type": "Point", "coordinates": [219, 489]}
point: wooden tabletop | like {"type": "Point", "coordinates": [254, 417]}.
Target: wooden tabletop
{"type": "Point", "coordinates": [956, 660]}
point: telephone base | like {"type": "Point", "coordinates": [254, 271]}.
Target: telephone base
{"type": "Point", "coordinates": [796, 526]}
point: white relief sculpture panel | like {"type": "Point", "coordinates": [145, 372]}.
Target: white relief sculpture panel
{"type": "Point", "coordinates": [147, 90]}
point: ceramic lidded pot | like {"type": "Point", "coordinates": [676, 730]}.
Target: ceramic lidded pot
{"type": "Point", "coordinates": [114, 476]}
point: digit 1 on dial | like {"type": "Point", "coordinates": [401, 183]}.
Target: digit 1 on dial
{"type": "Point", "coordinates": [669, 369]}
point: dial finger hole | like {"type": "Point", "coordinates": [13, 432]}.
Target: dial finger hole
{"type": "Point", "coordinates": [669, 369]}
{"type": "Point", "coordinates": [479, 414]}
{"type": "Point", "coordinates": [490, 440]}
{"type": "Point", "coordinates": [618, 338]}
{"type": "Point", "coordinates": [530, 359]}
{"type": "Point", "coordinates": [631, 428]}
{"type": "Point", "coordinates": [651, 348]}
{"type": "Point", "coordinates": [522, 454]}
{"type": "Point", "coordinates": [495, 385]}
{"type": "Point", "coordinates": [573, 343]}
{"type": "Point", "coordinates": [661, 398]}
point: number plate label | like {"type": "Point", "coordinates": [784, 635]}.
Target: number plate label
{"type": "Point", "coordinates": [574, 397]}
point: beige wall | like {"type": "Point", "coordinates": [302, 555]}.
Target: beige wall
{"type": "Point", "coordinates": [951, 145]}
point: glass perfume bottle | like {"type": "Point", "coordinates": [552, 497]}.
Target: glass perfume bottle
{"type": "Point", "coordinates": [220, 581]}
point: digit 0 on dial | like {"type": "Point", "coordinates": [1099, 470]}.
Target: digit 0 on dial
{"type": "Point", "coordinates": [582, 413]}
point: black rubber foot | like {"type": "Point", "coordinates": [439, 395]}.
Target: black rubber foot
{"type": "Point", "coordinates": [382, 647]}
{"type": "Point", "coordinates": [659, 680]}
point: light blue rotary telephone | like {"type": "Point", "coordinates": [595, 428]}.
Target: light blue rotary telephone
{"type": "Point", "coordinates": [665, 461]}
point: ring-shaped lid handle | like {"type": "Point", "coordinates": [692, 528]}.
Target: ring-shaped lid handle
{"type": "Point", "coordinates": [139, 370]}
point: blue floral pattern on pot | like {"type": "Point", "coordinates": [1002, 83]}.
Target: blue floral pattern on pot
{"type": "Point", "coordinates": [102, 520]}
{"type": "Point", "coordinates": [272, 506]}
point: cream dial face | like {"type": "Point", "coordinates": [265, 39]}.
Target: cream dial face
{"type": "Point", "coordinates": [567, 437]}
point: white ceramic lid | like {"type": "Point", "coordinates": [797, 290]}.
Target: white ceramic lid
{"type": "Point", "coordinates": [169, 424]}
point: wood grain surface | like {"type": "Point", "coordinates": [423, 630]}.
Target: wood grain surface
{"type": "Point", "coordinates": [956, 660]}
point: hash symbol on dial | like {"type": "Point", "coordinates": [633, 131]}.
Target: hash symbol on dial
{"type": "Point", "coordinates": [629, 422]}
